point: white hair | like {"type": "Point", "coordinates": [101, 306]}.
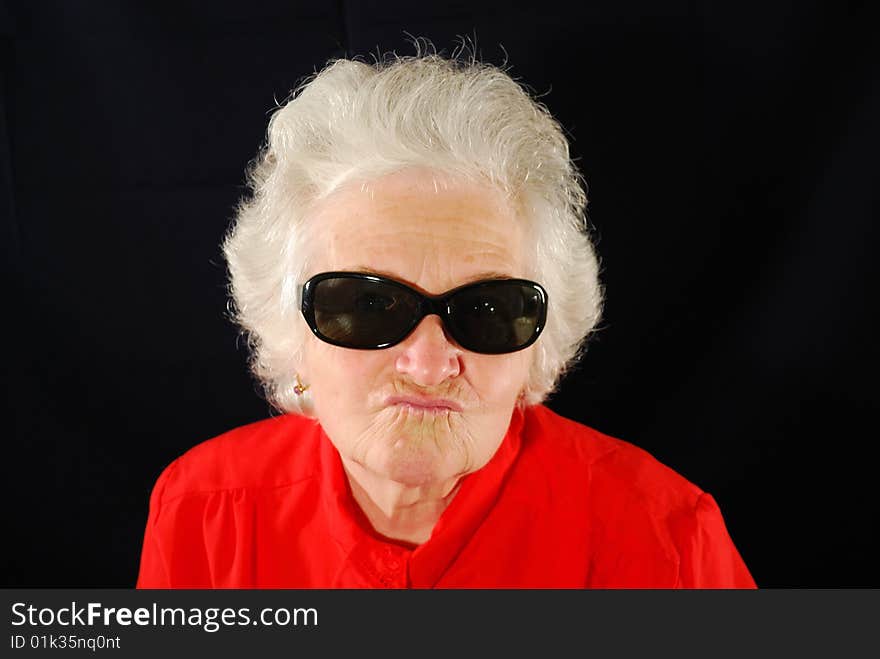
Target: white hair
{"type": "Point", "coordinates": [353, 120]}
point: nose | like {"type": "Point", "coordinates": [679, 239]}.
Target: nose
{"type": "Point", "coordinates": [427, 356]}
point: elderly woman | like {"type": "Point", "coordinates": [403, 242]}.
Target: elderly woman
{"type": "Point", "coordinates": [414, 273]}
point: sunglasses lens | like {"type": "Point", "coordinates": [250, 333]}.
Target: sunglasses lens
{"type": "Point", "coordinates": [497, 317]}
{"type": "Point", "coordinates": [361, 313]}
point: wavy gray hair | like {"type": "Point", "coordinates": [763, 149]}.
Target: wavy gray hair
{"type": "Point", "coordinates": [354, 120]}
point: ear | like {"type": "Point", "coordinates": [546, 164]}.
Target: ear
{"type": "Point", "coordinates": [298, 363]}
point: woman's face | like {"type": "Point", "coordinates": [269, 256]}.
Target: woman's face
{"type": "Point", "coordinates": [424, 411]}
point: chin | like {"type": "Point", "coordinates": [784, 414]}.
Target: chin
{"type": "Point", "coordinates": [413, 448]}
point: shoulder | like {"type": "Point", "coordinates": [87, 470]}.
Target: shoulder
{"type": "Point", "coordinates": [646, 523]}
{"type": "Point", "coordinates": [611, 467]}
{"type": "Point", "coordinates": [267, 454]}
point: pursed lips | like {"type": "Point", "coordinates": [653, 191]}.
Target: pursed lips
{"type": "Point", "coordinates": [424, 403]}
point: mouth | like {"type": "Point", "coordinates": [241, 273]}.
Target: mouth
{"type": "Point", "coordinates": [424, 404]}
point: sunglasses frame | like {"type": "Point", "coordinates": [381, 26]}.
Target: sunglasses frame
{"type": "Point", "coordinates": [428, 305]}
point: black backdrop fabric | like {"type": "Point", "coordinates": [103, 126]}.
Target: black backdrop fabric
{"type": "Point", "coordinates": [731, 154]}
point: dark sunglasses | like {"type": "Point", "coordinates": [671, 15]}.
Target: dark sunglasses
{"type": "Point", "coordinates": [369, 312]}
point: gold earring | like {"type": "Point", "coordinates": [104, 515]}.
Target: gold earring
{"type": "Point", "coordinates": [299, 388]}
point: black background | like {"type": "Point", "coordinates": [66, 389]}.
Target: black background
{"type": "Point", "coordinates": [731, 152]}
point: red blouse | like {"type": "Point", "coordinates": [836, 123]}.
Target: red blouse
{"type": "Point", "coordinates": [558, 506]}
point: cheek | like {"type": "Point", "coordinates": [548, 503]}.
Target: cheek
{"type": "Point", "coordinates": [499, 379]}
{"type": "Point", "coordinates": [338, 374]}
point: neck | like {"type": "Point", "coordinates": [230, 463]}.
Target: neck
{"type": "Point", "coordinates": [396, 510]}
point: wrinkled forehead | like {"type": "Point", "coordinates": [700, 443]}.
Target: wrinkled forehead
{"type": "Point", "coordinates": [423, 227]}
